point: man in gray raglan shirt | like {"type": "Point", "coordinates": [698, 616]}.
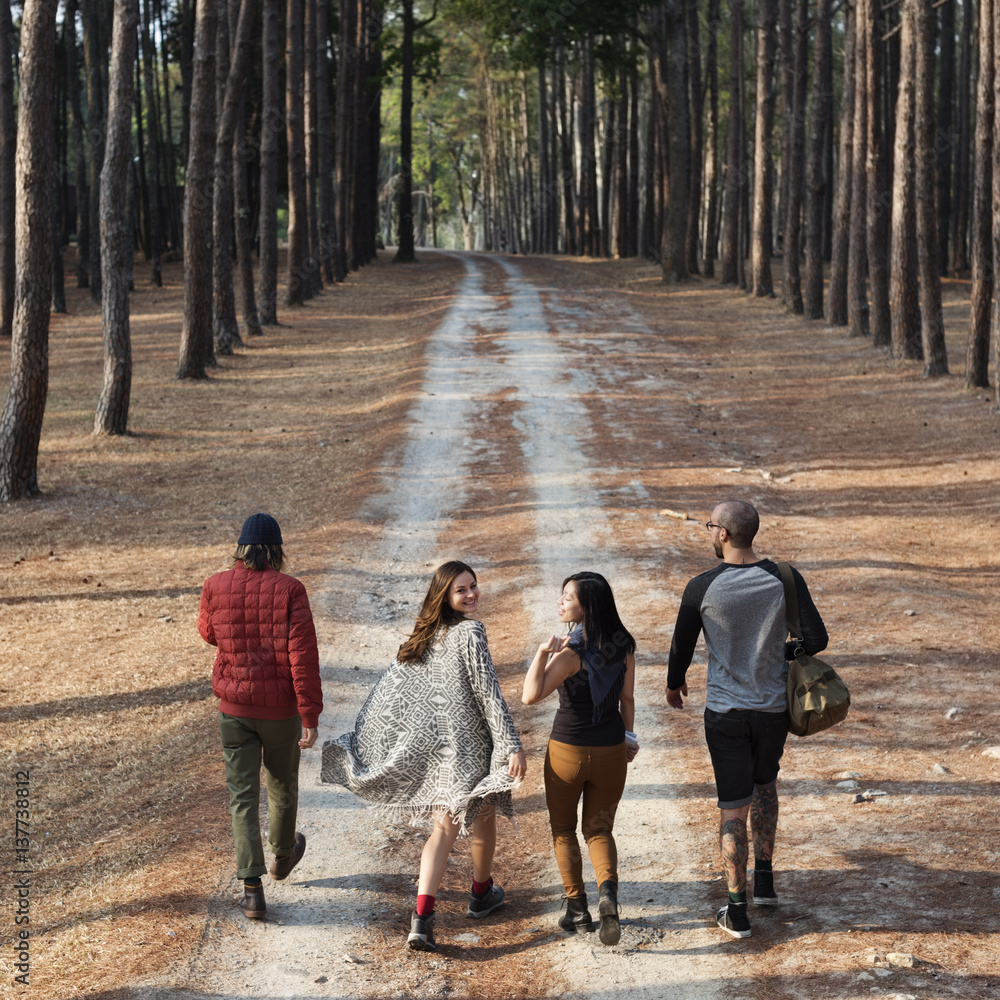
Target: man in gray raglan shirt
{"type": "Point", "coordinates": [740, 606]}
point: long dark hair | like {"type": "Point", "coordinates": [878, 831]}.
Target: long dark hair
{"type": "Point", "coordinates": [603, 630]}
{"type": "Point", "coordinates": [435, 612]}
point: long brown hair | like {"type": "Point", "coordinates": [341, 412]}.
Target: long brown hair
{"type": "Point", "coordinates": [436, 612]}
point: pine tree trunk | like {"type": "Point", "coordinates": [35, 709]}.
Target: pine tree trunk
{"type": "Point", "coordinates": [96, 124]}
{"type": "Point", "coordinates": [153, 144]}
{"type": "Point", "coordinates": [996, 194]}
{"type": "Point", "coordinates": [225, 331]}
{"type": "Point", "coordinates": [697, 108]}
{"type": "Point", "coordinates": [931, 319]}
{"type": "Point", "coordinates": [327, 212]}
{"type": "Point", "coordinates": [710, 253]}
{"type": "Point", "coordinates": [837, 295]}
{"type": "Point", "coordinates": [735, 177]}
{"type": "Point", "coordinates": [313, 262]}
{"type": "Point", "coordinates": [793, 221]}
{"type": "Point", "coordinates": [196, 335]}
{"type": "Point", "coordinates": [271, 124]}
{"type": "Point", "coordinates": [945, 138]}
{"type": "Point", "coordinates": [632, 247]}
{"type": "Point", "coordinates": [676, 129]}
{"type": "Point", "coordinates": [857, 245]}
{"type": "Point", "coordinates": [8, 149]}
{"type": "Point", "coordinates": [963, 175]}
{"type": "Point", "coordinates": [876, 183]}
{"type": "Point", "coordinates": [297, 288]}
{"type": "Point", "coordinates": [903, 281]}
{"type": "Point", "coordinates": [116, 226]}
{"type": "Point", "coordinates": [241, 222]}
{"type": "Point", "coordinates": [819, 116]}
{"type": "Point", "coordinates": [763, 162]}
{"type": "Point", "coordinates": [405, 254]}
{"type": "Point", "coordinates": [21, 421]}
{"type": "Point", "coordinates": [568, 166]}
{"type": "Point", "coordinates": [977, 363]}
{"type": "Point", "coordinates": [79, 157]}
{"type": "Point", "coordinates": [589, 219]}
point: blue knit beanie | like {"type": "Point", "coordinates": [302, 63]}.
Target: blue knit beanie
{"type": "Point", "coordinates": [260, 529]}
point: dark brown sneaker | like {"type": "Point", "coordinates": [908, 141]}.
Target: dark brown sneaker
{"type": "Point", "coordinates": [252, 903]}
{"type": "Point", "coordinates": [282, 867]}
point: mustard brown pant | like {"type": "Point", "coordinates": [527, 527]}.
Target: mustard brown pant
{"type": "Point", "coordinates": [597, 774]}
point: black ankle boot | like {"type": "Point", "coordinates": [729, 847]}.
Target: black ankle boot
{"type": "Point", "coordinates": [577, 916]}
{"type": "Point", "coordinates": [607, 907]}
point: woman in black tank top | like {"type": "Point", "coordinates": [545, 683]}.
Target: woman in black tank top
{"type": "Point", "coordinates": [593, 668]}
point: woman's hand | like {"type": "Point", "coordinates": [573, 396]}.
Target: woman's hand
{"type": "Point", "coordinates": [630, 753]}
{"type": "Point", "coordinates": [309, 737]}
{"type": "Point", "coordinates": [518, 765]}
{"type": "Point", "coordinates": [556, 644]}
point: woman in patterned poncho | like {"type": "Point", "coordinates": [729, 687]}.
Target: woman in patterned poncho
{"type": "Point", "coordinates": [435, 740]}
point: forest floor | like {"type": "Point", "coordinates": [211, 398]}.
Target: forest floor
{"type": "Point", "coordinates": [534, 417]}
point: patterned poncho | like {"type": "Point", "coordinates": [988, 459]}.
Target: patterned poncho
{"type": "Point", "coordinates": [433, 735]}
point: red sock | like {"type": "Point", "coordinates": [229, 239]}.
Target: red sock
{"type": "Point", "coordinates": [480, 888]}
{"type": "Point", "coordinates": [425, 905]}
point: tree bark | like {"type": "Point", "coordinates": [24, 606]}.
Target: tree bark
{"type": "Point", "coordinates": [996, 196]}
{"type": "Point", "coordinates": [8, 148]}
{"type": "Point", "coordinates": [297, 290]}
{"type": "Point", "coordinates": [196, 336]}
{"type": "Point", "coordinates": [116, 226]}
{"type": "Point", "coordinates": [225, 331]}
{"type": "Point", "coordinates": [271, 125]}
{"type": "Point", "coordinates": [735, 176]}
{"type": "Point", "coordinates": [327, 213]}
{"type": "Point", "coordinates": [876, 183]}
{"type": "Point", "coordinates": [857, 244]}
{"type": "Point", "coordinates": [931, 319]}
{"type": "Point", "coordinates": [79, 157]}
{"type": "Point", "coordinates": [903, 282]}
{"type": "Point", "coordinates": [796, 149]}
{"type": "Point", "coordinates": [945, 138]}
{"type": "Point", "coordinates": [21, 421]}
{"type": "Point", "coordinates": [405, 253]}
{"type": "Point", "coordinates": [314, 269]}
{"type": "Point", "coordinates": [241, 222]}
{"type": "Point", "coordinates": [837, 294]}
{"type": "Point", "coordinates": [710, 244]}
{"type": "Point", "coordinates": [697, 108]}
{"type": "Point", "coordinates": [153, 143]}
{"type": "Point", "coordinates": [763, 161]}
{"type": "Point", "coordinates": [96, 124]}
{"type": "Point", "coordinates": [977, 363]}
{"type": "Point", "coordinates": [963, 175]}
{"type": "Point", "coordinates": [819, 116]}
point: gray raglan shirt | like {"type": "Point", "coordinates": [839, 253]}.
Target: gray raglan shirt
{"type": "Point", "coordinates": [742, 612]}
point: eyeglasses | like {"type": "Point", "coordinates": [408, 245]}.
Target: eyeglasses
{"type": "Point", "coordinates": [710, 525]}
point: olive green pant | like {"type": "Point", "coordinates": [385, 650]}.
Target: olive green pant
{"type": "Point", "coordinates": [246, 743]}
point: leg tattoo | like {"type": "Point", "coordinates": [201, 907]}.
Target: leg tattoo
{"type": "Point", "coordinates": [735, 850]}
{"type": "Point", "coordinates": [764, 821]}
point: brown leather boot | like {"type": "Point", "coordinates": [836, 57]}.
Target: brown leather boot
{"type": "Point", "coordinates": [252, 903]}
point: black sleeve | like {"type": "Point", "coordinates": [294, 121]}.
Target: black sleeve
{"type": "Point", "coordinates": [686, 632]}
{"type": "Point", "coordinates": [814, 637]}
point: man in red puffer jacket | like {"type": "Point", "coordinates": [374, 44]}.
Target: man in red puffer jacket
{"type": "Point", "coordinates": [266, 676]}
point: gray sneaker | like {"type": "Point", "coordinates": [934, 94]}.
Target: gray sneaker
{"type": "Point", "coordinates": [421, 936]}
{"type": "Point", "coordinates": [484, 905]}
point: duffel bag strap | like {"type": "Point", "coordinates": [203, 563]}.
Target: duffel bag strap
{"type": "Point", "coordinates": [791, 601]}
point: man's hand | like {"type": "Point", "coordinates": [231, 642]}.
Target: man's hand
{"type": "Point", "coordinates": [674, 696]}
{"type": "Point", "coordinates": [308, 738]}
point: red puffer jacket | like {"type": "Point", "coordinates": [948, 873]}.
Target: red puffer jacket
{"type": "Point", "coordinates": [267, 666]}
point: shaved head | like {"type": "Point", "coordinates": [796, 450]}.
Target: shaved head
{"type": "Point", "coordinates": [740, 519]}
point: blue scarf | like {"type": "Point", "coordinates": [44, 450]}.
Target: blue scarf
{"type": "Point", "coordinates": [605, 676]}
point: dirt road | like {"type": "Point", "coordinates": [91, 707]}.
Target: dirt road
{"type": "Point", "coordinates": [553, 426]}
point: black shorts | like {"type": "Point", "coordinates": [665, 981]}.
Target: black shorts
{"type": "Point", "coordinates": [745, 748]}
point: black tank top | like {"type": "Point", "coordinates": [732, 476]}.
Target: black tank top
{"type": "Point", "coordinates": [574, 723]}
